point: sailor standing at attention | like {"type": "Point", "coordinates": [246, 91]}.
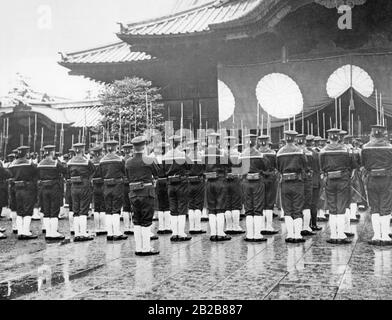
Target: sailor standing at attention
{"type": "Point", "coordinates": [336, 165]}
{"type": "Point", "coordinates": [376, 158]}
{"type": "Point", "coordinates": [176, 169]}
{"type": "Point", "coordinates": [98, 197]}
{"type": "Point", "coordinates": [50, 173]}
{"type": "Point", "coordinates": [127, 209]}
{"type": "Point", "coordinates": [141, 171]}
{"type": "Point", "coordinates": [112, 171]}
{"type": "Point", "coordinates": [195, 188]}
{"type": "Point", "coordinates": [233, 187]}
{"type": "Point", "coordinates": [271, 185]}
{"type": "Point", "coordinates": [292, 165]}
{"type": "Point", "coordinates": [308, 185]}
{"type": "Point", "coordinates": [253, 165]}
{"type": "Point", "coordinates": [215, 173]}
{"type": "Point", "coordinates": [24, 172]}
{"type": "Point", "coordinates": [164, 217]}
{"type": "Point", "coordinates": [80, 171]}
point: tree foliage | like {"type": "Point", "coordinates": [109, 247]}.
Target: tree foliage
{"type": "Point", "coordinates": [132, 98]}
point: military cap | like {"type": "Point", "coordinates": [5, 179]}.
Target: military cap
{"type": "Point", "coordinates": [214, 134]}
{"type": "Point", "coordinates": [11, 155]}
{"type": "Point", "coordinates": [264, 137]}
{"type": "Point", "coordinates": [96, 149]}
{"type": "Point", "coordinates": [127, 146]}
{"type": "Point", "coordinates": [301, 135]}
{"type": "Point", "coordinates": [23, 148]}
{"type": "Point", "coordinates": [378, 130]}
{"type": "Point", "coordinates": [318, 138]}
{"type": "Point", "coordinates": [66, 156]}
{"type": "Point", "coordinates": [193, 142]}
{"type": "Point", "coordinates": [163, 145]}
{"type": "Point", "coordinates": [250, 135]}
{"type": "Point", "coordinates": [175, 138]}
{"type": "Point", "coordinates": [139, 140]}
{"type": "Point", "coordinates": [238, 145]}
{"type": "Point", "coordinates": [49, 148]}
{"type": "Point", "coordinates": [79, 145]}
{"type": "Point", "coordinates": [70, 150]}
{"type": "Point", "coordinates": [15, 151]}
{"type": "Point", "coordinates": [310, 138]}
{"type": "Point", "coordinates": [342, 132]}
{"type": "Point", "coordinates": [334, 131]}
{"type": "Point", "coordinates": [111, 143]}
{"type": "Point", "coordinates": [291, 133]}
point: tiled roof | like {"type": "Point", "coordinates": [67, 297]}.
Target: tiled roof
{"type": "Point", "coordinates": [75, 113]}
{"type": "Point", "coordinates": [81, 117]}
{"type": "Point", "coordinates": [119, 52]}
{"type": "Point", "coordinates": [195, 20]}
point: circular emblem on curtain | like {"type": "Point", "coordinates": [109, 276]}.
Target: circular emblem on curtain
{"type": "Point", "coordinates": [226, 101]}
{"type": "Point", "coordinates": [279, 95]}
{"type": "Point", "coordinates": [349, 76]}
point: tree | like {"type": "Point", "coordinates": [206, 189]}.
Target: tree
{"type": "Point", "coordinates": [134, 100]}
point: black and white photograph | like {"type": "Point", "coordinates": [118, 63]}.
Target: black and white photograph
{"type": "Point", "coordinates": [211, 153]}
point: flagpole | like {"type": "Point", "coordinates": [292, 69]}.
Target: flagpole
{"type": "Point", "coordinates": [378, 119]}
{"type": "Point", "coordinates": [336, 112]}
{"type": "Point", "coordinates": [318, 123]}
{"type": "Point", "coordinates": [340, 113]}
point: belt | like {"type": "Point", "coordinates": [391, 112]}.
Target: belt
{"type": "Point", "coordinates": [139, 186]}
{"type": "Point", "coordinates": [162, 179]}
{"type": "Point", "coordinates": [335, 174]}
{"type": "Point", "coordinates": [174, 179]}
{"type": "Point", "coordinates": [113, 181]}
{"type": "Point", "coordinates": [233, 176]}
{"type": "Point", "coordinates": [211, 175]}
{"type": "Point", "coordinates": [145, 184]}
{"type": "Point", "coordinates": [380, 173]}
{"type": "Point", "coordinates": [97, 180]}
{"type": "Point", "coordinates": [253, 176]}
{"type": "Point", "coordinates": [195, 179]}
{"type": "Point", "coordinates": [290, 176]}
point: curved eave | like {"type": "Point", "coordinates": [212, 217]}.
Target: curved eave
{"type": "Point", "coordinates": [135, 38]}
{"type": "Point", "coordinates": [71, 65]}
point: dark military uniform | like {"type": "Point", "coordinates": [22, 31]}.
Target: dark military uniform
{"type": "Point", "coordinates": [140, 171]}
{"type": "Point", "coordinates": [98, 198]}
{"type": "Point", "coordinates": [253, 167]}
{"type": "Point", "coordinates": [233, 190]}
{"type": "Point", "coordinates": [196, 190]}
{"type": "Point", "coordinates": [336, 164]}
{"type": "Point", "coordinates": [308, 186]}
{"type": "Point", "coordinates": [315, 169]}
{"type": "Point", "coordinates": [176, 170]}
{"type": "Point", "coordinates": [50, 174]}
{"type": "Point", "coordinates": [127, 208]}
{"type": "Point", "coordinates": [376, 158]}
{"type": "Point", "coordinates": [270, 185]}
{"type": "Point", "coordinates": [24, 173]}
{"type": "Point", "coordinates": [80, 171]}
{"type": "Point", "coordinates": [216, 164]}
{"type": "Point", "coordinates": [4, 175]}
{"type": "Point", "coordinates": [112, 171]}
{"type": "Point", "coordinates": [291, 162]}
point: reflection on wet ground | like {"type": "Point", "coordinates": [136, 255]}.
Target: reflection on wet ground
{"type": "Point", "coordinates": [198, 269]}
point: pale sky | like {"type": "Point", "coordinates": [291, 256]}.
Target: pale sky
{"type": "Point", "coordinates": [32, 32]}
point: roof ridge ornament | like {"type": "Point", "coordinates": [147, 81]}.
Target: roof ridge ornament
{"type": "Point", "coordinates": [338, 3]}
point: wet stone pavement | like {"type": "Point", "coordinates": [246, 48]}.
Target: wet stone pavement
{"type": "Point", "coordinates": [196, 270]}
